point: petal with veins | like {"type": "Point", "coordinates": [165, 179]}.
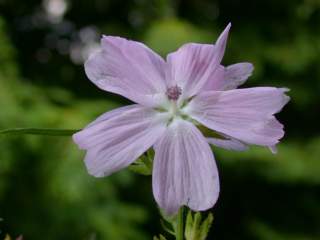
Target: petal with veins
{"type": "Point", "coordinates": [236, 75]}
{"type": "Point", "coordinates": [230, 77]}
{"type": "Point", "coordinates": [273, 149]}
{"type": "Point", "coordinates": [128, 68]}
{"type": "Point", "coordinates": [243, 114]}
{"type": "Point", "coordinates": [184, 171]}
{"type": "Point", "coordinates": [216, 81]}
{"type": "Point", "coordinates": [119, 137]}
{"type": "Point", "coordinates": [194, 64]}
{"type": "Point", "coordinates": [229, 144]}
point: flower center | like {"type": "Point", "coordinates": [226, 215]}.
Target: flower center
{"type": "Point", "coordinates": [174, 92]}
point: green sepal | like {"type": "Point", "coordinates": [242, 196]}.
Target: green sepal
{"type": "Point", "coordinates": [205, 227]}
{"type": "Point", "coordinates": [196, 229]}
{"type": "Point", "coordinates": [167, 227]}
{"type": "Point", "coordinates": [140, 168]}
{"type": "Point", "coordinates": [144, 164]}
{"type": "Point", "coordinates": [161, 237]}
{"type": "Point", "coordinates": [171, 219]}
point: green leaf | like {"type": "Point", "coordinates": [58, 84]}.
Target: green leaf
{"type": "Point", "coordinates": [39, 131]}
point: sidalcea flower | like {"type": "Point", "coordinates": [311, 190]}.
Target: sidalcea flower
{"type": "Point", "coordinates": [173, 98]}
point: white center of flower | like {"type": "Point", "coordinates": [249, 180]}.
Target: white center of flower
{"type": "Point", "coordinates": [173, 93]}
{"type": "Point", "coordinates": [175, 105]}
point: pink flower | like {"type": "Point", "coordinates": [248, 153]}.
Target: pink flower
{"type": "Point", "coordinates": [173, 97]}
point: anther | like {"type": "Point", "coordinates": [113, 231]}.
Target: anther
{"type": "Point", "coordinates": [174, 92]}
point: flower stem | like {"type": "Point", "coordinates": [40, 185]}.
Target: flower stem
{"type": "Point", "coordinates": [180, 224]}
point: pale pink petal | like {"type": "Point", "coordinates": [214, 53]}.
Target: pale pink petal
{"type": "Point", "coordinates": [128, 68]}
{"type": "Point", "coordinates": [112, 113]}
{"type": "Point", "coordinates": [227, 78]}
{"type": "Point", "coordinates": [273, 149]}
{"type": "Point", "coordinates": [216, 80]}
{"type": "Point", "coordinates": [194, 64]}
{"type": "Point", "coordinates": [184, 171]}
{"type": "Point", "coordinates": [229, 144]}
{"type": "Point", "coordinates": [244, 114]}
{"type": "Point", "coordinates": [119, 137]}
{"type": "Point", "coordinates": [236, 75]}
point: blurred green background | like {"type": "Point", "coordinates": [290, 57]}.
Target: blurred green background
{"type": "Point", "coordinates": [45, 191]}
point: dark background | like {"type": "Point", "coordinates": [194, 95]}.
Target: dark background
{"type": "Point", "coordinates": [45, 191]}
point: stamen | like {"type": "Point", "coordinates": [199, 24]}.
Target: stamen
{"type": "Point", "coordinates": [174, 92]}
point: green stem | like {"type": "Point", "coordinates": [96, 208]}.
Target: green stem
{"type": "Point", "coordinates": [40, 131]}
{"type": "Point", "coordinates": [180, 225]}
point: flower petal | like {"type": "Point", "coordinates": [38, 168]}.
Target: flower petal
{"type": "Point", "coordinates": [236, 75]}
{"type": "Point", "coordinates": [119, 137]}
{"type": "Point", "coordinates": [244, 114]}
{"type": "Point", "coordinates": [227, 78]}
{"type": "Point", "coordinates": [184, 171]}
{"type": "Point", "coordinates": [128, 68]}
{"type": "Point", "coordinates": [273, 149]}
{"type": "Point", "coordinates": [194, 64]}
{"type": "Point", "coordinates": [216, 81]}
{"type": "Point", "coordinates": [229, 144]}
